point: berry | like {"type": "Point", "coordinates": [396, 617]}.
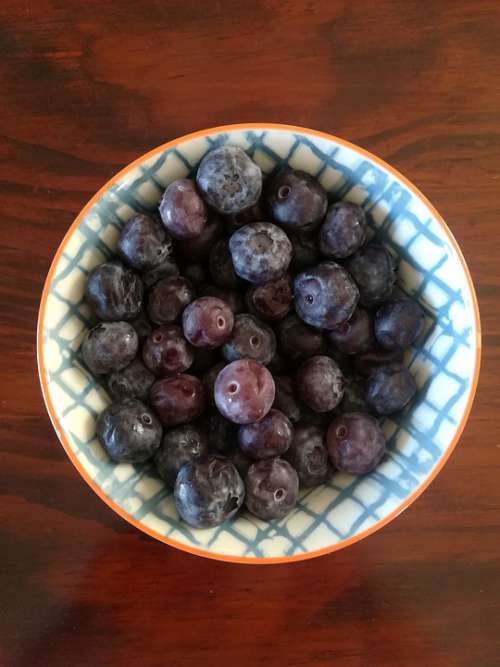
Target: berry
{"type": "Point", "coordinates": [177, 400]}
{"type": "Point", "coordinates": [374, 271]}
{"type": "Point", "coordinates": [198, 249]}
{"type": "Point", "coordinates": [390, 388]}
{"type": "Point", "coordinates": [285, 400]}
{"type": "Point", "coordinates": [369, 361]}
{"type": "Point", "coordinates": [221, 266]}
{"type": "Point", "coordinates": [296, 200]}
{"type": "Point", "coordinates": [269, 437]}
{"type": "Point", "coordinates": [271, 301]}
{"type": "Point", "coordinates": [168, 299]}
{"type": "Point", "coordinates": [305, 251]}
{"type": "Point", "coordinates": [354, 399]}
{"type": "Point", "coordinates": [166, 351]}
{"type": "Point", "coordinates": [207, 322]}
{"type": "Point", "coordinates": [244, 391]}
{"type": "Point", "coordinates": [343, 230]}
{"type": "Point", "coordinates": [298, 340]}
{"type": "Point", "coordinates": [233, 299]}
{"type": "Point", "coordinates": [253, 214]}
{"type": "Point", "coordinates": [320, 383]}
{"type": "Point", "coordinates": [325, 296]}
{"type": "Point", "coordinates": [180, 445]}
{"type": "Point", "coordinates": [355, 335]}
{"type": "Point", "coordinates": [129, 431]}
{"type": "Point", "coordinates": [144, 243]}
{"type": "Point", "coordinates": [182, 210]}
{"type": "Point", "coordinates": [109, 346]}
{"type": "Point", "coordinates": [134, 381]}
{"type": "Point", "coordinates": [240, 461]}
{"type": "Point", "coordinates": [114, 292]}
{"type": "Point", "coordinates": [260, 252]}
{"type": "Point", "coordinates": [250, 339]}
{"type": "Point", "coordinates": [272, 488]}
{"type": "Point", "coordinates": [229, 180]}
{"type": "Point", "coordinates": [398, 323]}
{"type": "Point", "coordinates": [167, 269]}
{"type": "Point", "coordinates": [308, 455]}
{"type": "Point", "coordinates": [356, 443]}
{"type": "Point", "coordinates": [142, 326]}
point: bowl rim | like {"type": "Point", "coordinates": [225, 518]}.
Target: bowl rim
{"type": "Point", "coordinates": [203, 552]}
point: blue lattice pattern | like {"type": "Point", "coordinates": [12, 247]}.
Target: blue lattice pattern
{"type": "Point", "coordinates": [430, 270]}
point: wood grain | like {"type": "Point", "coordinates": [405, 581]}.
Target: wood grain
{"type": "Point", "coordinates": [84, 89]}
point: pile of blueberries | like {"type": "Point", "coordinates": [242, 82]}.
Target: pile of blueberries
{"type": "Point", "coordinates": [251, 340]}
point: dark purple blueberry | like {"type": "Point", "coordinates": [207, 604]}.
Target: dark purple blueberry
{"type": "Point", "coordinates": [269, 437]}
{"type": "Point", "coordinates": [308, 455]}
{"type": "Point", "coordinates": [204, 358]}
{"type": "Point", "coordinates": [271, 301]}
{"type": "Point", "coordinates": [260, 252]}
{"type": "Point", "coordinates": [221, 266]}
{"type": "Point", "coordinates": [142, 326]}
{"type": "Point", "coordinates": [244, 391]}
{"type": "Point", "coordinates": [229, 180]}
{"type": "Point", "coordinates": [253, 214]}
{"type": "Point", "coordinates": [114, 292]}
{"type": "Point", "coordinates": [182, 210]}
{"type": "Point", "coordinates": [325, 296]}
{"type": "Point", "coordinates": [298, 340]}
{"type": "Point", "coordinates": [180, 445]}
{"type": "Point", "coordinates": [272, 489]}
{"type": "Point", "coordinates": [296, 200]}
{"type": "Point", "coordinates": [390, 388]}
{"type": "Point", "coordinates": [208, 382]}
{"type": "Point", "coordinates": [320, 383]}
{"type": "Point", "coordinates": [109, 346]}
{"type": "Point", "coordinates": [144, 243]}
{"type": "Point", "coordinates": [285, 400]}
{"type": "Point", "coordinates": [221, 433]}
{"type": "Point", "coordinates": [177, 400]}
{"type": "Point", "coordinates": [168, 299]}
{"type": "Point", "coordinates": [369, 361]}
{"type": "Point", "coordinates": [355, 335]}
{"type": "Point", "coordinates": [233, 299]}
{"type": "Point", "coordinates": [250, 339]}
{"type": "Point", "coordinates": [166, 351]}
{"type": "Point", "coordinates": [129, 431]}
{"type": "Point", "coordinates": [356, 443]}
{"type": "Point", "coordinates": [398, 323]}
{"type": "Point", "coordinates": [196, 273]}
{"type": "Point", "coordinates": [374, 270]}
{"type": "Point", "coordinates": [208, 492]}
{"type": "Point", "coordinates": [167, 269]}
{"type": "Point", "coordinates": [343, 230]}
{"type": "Point", "coordinates": [134, 381]}
{"type": "Point", "coordinates": [207, 322]}
{"type": "Point", "coordinates": [354, 399]}
{"type": "Point", "coordinates": [198, 249]}
{"type": "Point", "coordinates": [305, 251]}
{"type": "Point", "coordinates": [240, 461]}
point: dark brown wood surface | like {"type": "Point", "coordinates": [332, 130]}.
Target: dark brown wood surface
{"type": "Point", "coordinates": [85, 87]}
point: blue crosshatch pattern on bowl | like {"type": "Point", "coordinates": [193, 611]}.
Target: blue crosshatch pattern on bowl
{"type": "Point", "coordinates": [346, 505]}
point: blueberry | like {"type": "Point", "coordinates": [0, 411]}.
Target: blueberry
{"type": "Point", "coordinates": [166, 351]}
{"type": "Point", "coordinates": [250, 339]}
{"type": "Point", "coordinates": [198, 249]}
{"type": "Point", "coordinates": [260, 252]}
{"type": "Point", "coordinates": [144, 243]}
{"type": "Point", "coordinates": [168, 299]}
{"type": "Point", "coordinates": [354, 399]}
{"type": "Point", "coordinates": [253, 214]}
{"type": "Point", "coordinates": [180, 445]}
{"type": "Point", "coordinates": [207, 322]}
{"type": "Point", "coordinates": [298, 340]}
{"type": "Point", "coordinates": [129, 431]}
{"type": "Point", "coordinates": [320, 383]}
{"type": "Point", "coordinates": [109, 346]}
{"type": "Point", "coordinates": [296, 200]}
{"type": "Point", "coordinates": [114, 292]}
{"type": "Point", "coordinates": [241, 462]}
{"type": "Point", "coordinates": [208, 382]}
{"type": "Point", "coordinates": [272, 489]}
{"type": "Point", "coordinates": [325, 296]}
{"type": "Point", "coordinates": [229, 180]}
{"type": "Point", "coordinates": [142, 325]}
{"type": "Point", "coordinates": [355, 335]}
{"type": "Point", "coordinates": [182, 210]}
{"type": "Point", "coordinates": [221, 266]}
{"type": "Point", "coordinates": [221, 433]}
{"type": "Point", "coordinates": [398, 323]}
{"type": "Point", "coordinates": [269, 437]}
{"type": "Point", "coordinates": [167, 269]}
{"type": "Point", "coordinates": [134, 381]}
{"type": "Point", "coordinates": [356, 443]}
{"type": "Point", "coordinates": [177, 400]}
{"type": "Point", "coordinates": [305, 251]}
{"type": "Point", "coordinates": [308, 455]}
{"type": "Point", "coordinates": [368, 361]}
{"type": "Point", "coordinates": [233, 299]}
{"type": "Point", "coordinates": [285, 400]}
{"type": "Point", "coordinates": [390, 388]}
{"type": "Point", "coordinates": [374, 271]}
{"type": "Point", "coordinates": [343, 231]}
{"type": "Point", "coordinates": [244, 391]}
{"type": "Point", "coordinates": [271, 301]}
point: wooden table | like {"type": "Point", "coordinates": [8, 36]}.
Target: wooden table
{"type": "Point", "coordinates": [85, 87]}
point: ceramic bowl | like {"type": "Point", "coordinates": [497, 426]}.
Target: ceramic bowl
{"type": "Point", "coordinates": [445, 363]}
